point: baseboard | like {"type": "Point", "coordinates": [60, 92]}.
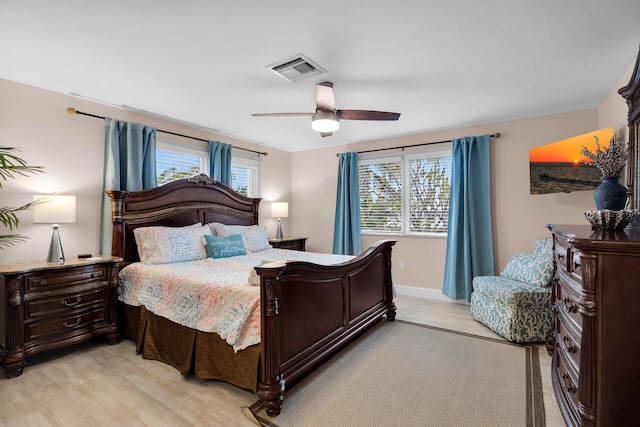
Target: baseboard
{"type": "Point", "coordinates": [434, 294]}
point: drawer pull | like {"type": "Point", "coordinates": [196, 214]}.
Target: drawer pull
{"type": "Point", "coordinates": [568, 386]}
{"type": "Point", "coordinates": [570, 348]}
{"type": "Point", "coordinates": [576, 265]}
{"type": "Point", "coordinates": [560, 256]}
{"type": "Point", "coordinates": [71, 304]}
{"type": "Point", "coordinates": [568, 306]}
{"type": "Point", "coordinates": [43, 281]}
{"type": "Point", "coordinates": [71, 325]}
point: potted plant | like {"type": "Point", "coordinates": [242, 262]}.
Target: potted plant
{"type": "Point", "coordinates": [611, 194]}
{"type": "Point", "coordinates": [11, 166]}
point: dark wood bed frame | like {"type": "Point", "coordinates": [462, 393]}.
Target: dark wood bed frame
{"type": "Point", "coordinates": [308, 311]}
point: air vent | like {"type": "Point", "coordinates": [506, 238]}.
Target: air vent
{"type": "Point", "coordinates": [296, 68]}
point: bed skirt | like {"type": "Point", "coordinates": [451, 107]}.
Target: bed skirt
{"type": "Point", "coordinates": [203, 355]}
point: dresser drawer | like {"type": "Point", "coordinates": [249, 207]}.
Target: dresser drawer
{"type": "Point", "coordinates": [53, 279]}
{"type": "Point", "coordinates": [295, 245]}
{"type": "Point", "coordinates": [65, 325]}
{"type": "Point", "coordinates": [561, 254]}
{"type": "Point", "coordinates": [567, 381]}
{"type": "Point", "coordinates": [576, 266]}
{"type": "Point", "coordinates": [567, 303]}
{"type": "Point", "coordinates": [65, 303]}
{"type": "Point", "coordinates": [568, 340]}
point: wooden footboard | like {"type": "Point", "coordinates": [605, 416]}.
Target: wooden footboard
{"type": "Point", "coordinates": [309, 311]}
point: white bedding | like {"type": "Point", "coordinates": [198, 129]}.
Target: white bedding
{"type": "Point", "coordinates": [210, 295]}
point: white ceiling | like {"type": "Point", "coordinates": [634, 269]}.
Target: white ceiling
{"type": "Point", "coordinates": [442, 64]}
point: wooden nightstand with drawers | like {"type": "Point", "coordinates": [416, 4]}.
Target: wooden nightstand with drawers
{"type": "Point", "coordinates": [45, 305]}
{"type": "Point", "coordinates": [295, 243]}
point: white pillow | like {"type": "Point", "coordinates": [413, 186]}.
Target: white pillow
{"type": "Point", "coordinates": [161, 245]}
{"type": "Point", "coordinates": [254, 237]}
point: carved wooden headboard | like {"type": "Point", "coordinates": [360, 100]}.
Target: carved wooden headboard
{"type": "Point", "coordinates": [178, 203]}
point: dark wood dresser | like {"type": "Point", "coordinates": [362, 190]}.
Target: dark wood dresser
{"type": "Point", "coordinates": [596, 347]}
{"type": "Point", "coordinates": [49, 305]}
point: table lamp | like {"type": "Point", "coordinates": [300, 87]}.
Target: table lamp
{"type": "Point", "coordinates": [279, 210]}
{"type": "Point", "coordinates": [54, 209]}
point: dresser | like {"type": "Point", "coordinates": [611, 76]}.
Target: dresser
{"type": "Point", "coordinates": [295, 243]}
{"type": "Point", "coordinates": [45, 305]}
{"type": "Point", "coordinates": [596, 339]}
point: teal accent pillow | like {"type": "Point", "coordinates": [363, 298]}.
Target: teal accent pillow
{"type": "Point", "coordinates": [530, 268]}
{"type": "Point", "coordinates": [222, 247]}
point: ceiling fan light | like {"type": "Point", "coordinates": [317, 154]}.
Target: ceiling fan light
{"type": "Point", "coordinates": [325, 121]}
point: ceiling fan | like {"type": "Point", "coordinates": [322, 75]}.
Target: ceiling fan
{"type": "Point", "coordinates": [326, 119]}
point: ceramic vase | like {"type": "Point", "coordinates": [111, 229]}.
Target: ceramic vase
{"type": "Point", "coordinates": [610, 194]}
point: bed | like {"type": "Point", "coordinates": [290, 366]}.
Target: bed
{"type": "Point", "coordinates": [307, 311]}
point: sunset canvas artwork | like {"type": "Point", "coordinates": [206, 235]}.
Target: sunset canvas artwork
{"type": "Point", "coordinates": [560, 168]}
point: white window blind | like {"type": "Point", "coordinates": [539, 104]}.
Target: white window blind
{"type": "Point", "coordinates": [380, 195]}
{"type": "Point", "coordinates": [245, 176]}
{"type": "Point", "coordinates": [429, 185]}
{"type": "Point", "coordinates": [175, 162]}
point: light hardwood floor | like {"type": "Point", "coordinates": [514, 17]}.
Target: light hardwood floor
{"type": "Point", "coordinates": [96, 384]}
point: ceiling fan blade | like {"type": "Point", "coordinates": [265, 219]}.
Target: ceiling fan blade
{"type": "Point", "coordinates": [324, 96]}
{"type": "Point", "coordinates": [366, 115]}
{"type": "Point", "coordinates": [280, 114]}
{"type": "Point", "coordinates": [325, 134]}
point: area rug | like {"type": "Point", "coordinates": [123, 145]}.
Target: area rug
{"type": "Point", "coordinates": [405, 374]}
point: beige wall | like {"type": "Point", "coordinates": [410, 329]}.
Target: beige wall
{"type": "Point", "coordinates": [518, 217]}
{"type": "Point", "coordinates": [70, 147]}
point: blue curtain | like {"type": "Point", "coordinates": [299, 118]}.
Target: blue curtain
{"type": "Point", "coordinates": [220, 162]}
{"type": "Point", "coordinates": [346, 231]}
{"type": "Point", "coordinates": [129, 165]}
{"type": "Point", "coordinates": [469, 240]}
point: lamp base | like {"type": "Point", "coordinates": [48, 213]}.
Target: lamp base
{"type": "Point", "coordinates": [279, 232]}
{"type": "Point", "coordinates": [56, 253]}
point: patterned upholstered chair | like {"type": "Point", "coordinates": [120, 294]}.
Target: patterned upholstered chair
{"type": "Point", "coordinates": [517, 304]}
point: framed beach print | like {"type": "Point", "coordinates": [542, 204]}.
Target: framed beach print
{"type": "Point", "coordinates": [560, 168]}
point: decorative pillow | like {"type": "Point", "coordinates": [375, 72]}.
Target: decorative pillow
{"type": "Point", "coordinates": [254, 237]}
{"type": "Point", "coordinates": [145, 231]}
{"type": "Point", "coordinates": [222, 247]}
{"type": "Point", "coordinates": [162, 245]}
{"type": "Point", "coordinates": [530, 268]}
{"type": "Point", "coordinates": [543, 246]}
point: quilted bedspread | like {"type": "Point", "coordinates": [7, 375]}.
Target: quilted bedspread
{"type": "Point", "coordinates": [210, 295]}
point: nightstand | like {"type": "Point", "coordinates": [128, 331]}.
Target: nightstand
{"type": "Point", "coordinates": [295, 243]}
{"type": "Point", "coordinates": [46, 305]}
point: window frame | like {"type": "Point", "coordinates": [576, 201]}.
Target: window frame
{"type": "Point", "coordinates": [405, 159]}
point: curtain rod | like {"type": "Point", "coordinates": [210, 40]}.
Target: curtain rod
{"type": "Point", "coordinates": [495, 135]}
{"type": "Point", "coordinates": [72, 110]}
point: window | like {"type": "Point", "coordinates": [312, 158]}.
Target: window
{"type": "Point", "coordinates": [175, 161]}
{"type": "Point", "coordinates": [407, 194]}
{"type": "Point", "coordinates": [244, 176]}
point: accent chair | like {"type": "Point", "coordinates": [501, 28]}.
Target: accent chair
{"type": "Point", "coordinates": [517, 303]}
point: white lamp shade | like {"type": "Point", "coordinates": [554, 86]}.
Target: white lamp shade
{"type": "Point", "coordinates": [280, 210]}
{"type": "Point", "coordinates": [54, 209]}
